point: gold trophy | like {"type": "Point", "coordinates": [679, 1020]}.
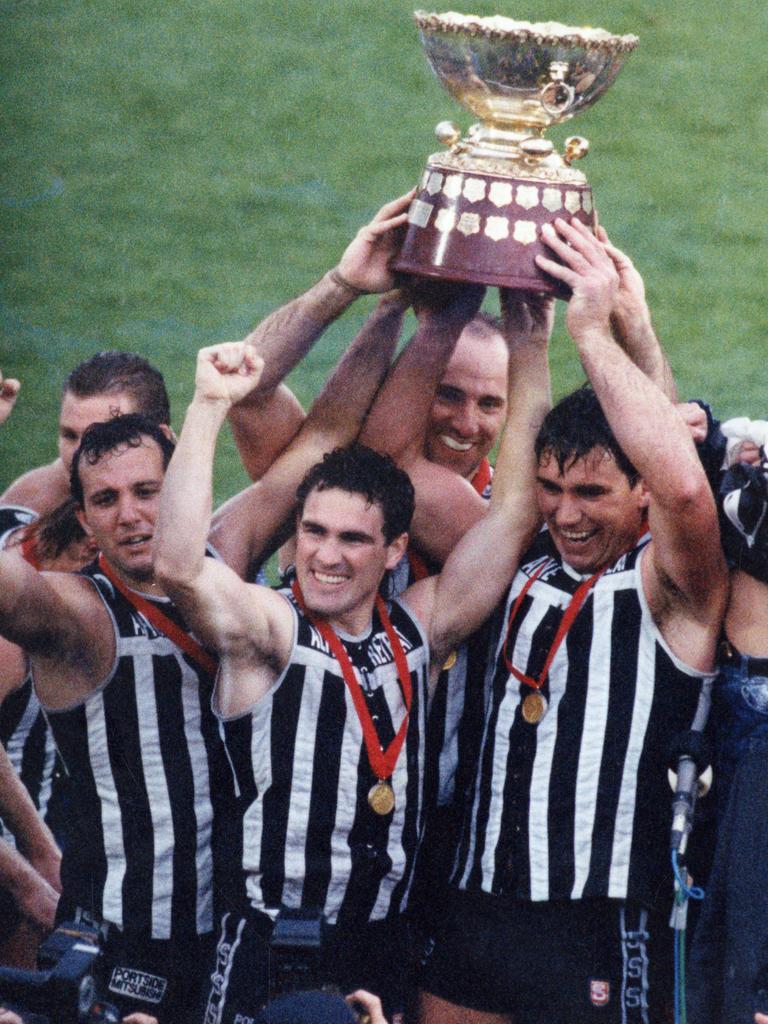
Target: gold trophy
{"type": "Point", "coordinates": [481, 204]}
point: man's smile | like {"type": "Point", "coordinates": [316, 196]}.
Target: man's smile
{"type": "Point", "coordinates": [454, 445]}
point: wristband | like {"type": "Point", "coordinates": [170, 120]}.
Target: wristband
{"type": "Point", "coordinates": [337, 277]}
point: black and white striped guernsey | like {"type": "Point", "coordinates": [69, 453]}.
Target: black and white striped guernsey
{"type": "Point", "coordinates": [29, 745]}
{"type": "Point", "coordinates": [150, 780]}
{"type": "Point", "coordinates": [310, 837]}
{"type": "Point", "coordinates": [578, 805]}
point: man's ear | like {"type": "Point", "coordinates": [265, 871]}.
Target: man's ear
{"type": "Point", "coordinates": [83, 522]}
{"type": "Point", "coordinates": [168, 432]}
{"type": "Point", "coordinates": [396, 549]}
{"type": "Point", "coordinates": [644, 495]}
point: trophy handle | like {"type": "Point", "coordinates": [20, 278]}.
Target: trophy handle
{"type": "Point", "coordinates": [556, 96]}
{"type": "Point", "coordinates": [576, 148]}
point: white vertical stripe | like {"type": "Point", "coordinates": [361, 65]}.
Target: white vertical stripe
{"type": "Point", "coordinates": [456, 684]}
{"type": "Point", "coordinates": [253, 819]}
{"type": "Point", "coordinates": [598, 683]}
{"type": "Point", "coordinates": [473, 833]}
{"type": "Point", "coordinates": [546, 738]}
{"type": "Point", "coordinates": [111, 822]}
{"type": "Point", "coordinates": [202, 809]}
{"type": "Point", "coordinates": [625, 811]}
{"type": "Point", "coordinates": [301, 786]}
{"type": "Point", "coordinates": [48, 764]}
{"type": "Point", "coordinates": [157, 796]}
{"type": "Point", "coordinates": [16, 741]}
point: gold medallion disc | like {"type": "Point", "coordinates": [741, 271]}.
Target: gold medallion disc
{"type": "Point", "coordinates": [450, 661]}
{"type": "Point", "coordinates": [381, 798]}
{"type": "Point", "coordinates": [534, 708]}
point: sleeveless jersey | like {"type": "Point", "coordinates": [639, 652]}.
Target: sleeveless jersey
{"type": "Point", "coordinates": [456, 711]}
{"type": "Point", "coordinates": [310, 837]}
{"type": "Point", "coordinates": [29, 745]}
{"type": "Point", "coordinates": [578, 805]}
{"type": "Point", "coordinates": [150, 779]}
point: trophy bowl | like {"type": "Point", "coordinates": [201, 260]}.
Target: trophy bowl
{"type": "Point", "coordinates": [481, 204]}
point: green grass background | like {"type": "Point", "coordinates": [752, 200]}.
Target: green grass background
{"type": "Point", "coordinates": [173, 172]}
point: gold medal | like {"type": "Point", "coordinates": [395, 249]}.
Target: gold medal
{"type": "Point", "coordinates": [450, 661]}
{"type": "Point", "coordinates": [534, 708]}
{"type": "Point", "coordinates": [381, 798]}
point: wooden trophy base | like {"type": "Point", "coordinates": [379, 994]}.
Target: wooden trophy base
{"type": "Point", "coordinates": [467, 225]}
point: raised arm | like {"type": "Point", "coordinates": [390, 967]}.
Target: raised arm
{"type": "Point", "coordinates": [265, 421]}
{"type": "Point", "coordinates": [247, 624]}
{"type": "Point", "coordinates": [285, 336]}
{"type": "Point", "coordinates": [263, 426]}
{"type": "Point", "coordinates": [479, 569]}
{"type": "Point", "coordinates": [686, 568]}
{"type": "Point", "coordinates": [245, 529]}
{"type": "Point", "coordinates": [632, 324]}
{"type": "Point", "coordinates": [396, 424]}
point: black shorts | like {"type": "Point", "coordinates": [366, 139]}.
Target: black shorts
{"type": "Point", "coordinates": [589, 960]}
{"type": "Point", "coordinates": [166, 979]}
{"type": "Point", "coordinates": [375, 957]}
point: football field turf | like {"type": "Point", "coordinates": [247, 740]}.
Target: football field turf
{"type": "Point", "coordinates": [172, 172]}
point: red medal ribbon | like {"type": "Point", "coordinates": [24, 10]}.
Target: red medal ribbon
{"type": "Point", "coordinates": [479, 481]}
{"type": "Point", "coordinates": [572, 610]}
{"type": "Point", "coordinates": [482, 477]}
{"type": "Point", "coordinates": [29, 554]}
{"type": "Point", "coordinates": [382, 762]}
{"type": "Point", "coordinates": [160, 621]}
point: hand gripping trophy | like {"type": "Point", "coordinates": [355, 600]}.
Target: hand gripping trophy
{"type": "Point", "coordinates": [481, 205]}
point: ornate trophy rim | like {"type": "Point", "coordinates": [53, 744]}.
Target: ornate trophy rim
{"type": "Point", "coordinates": [543, 33]}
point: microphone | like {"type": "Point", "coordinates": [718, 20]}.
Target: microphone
{"type": "Point", "coordinates": [690, 755]}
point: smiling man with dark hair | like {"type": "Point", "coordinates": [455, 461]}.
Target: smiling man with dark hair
{"type": "Point", "coordinates": [562, 885]}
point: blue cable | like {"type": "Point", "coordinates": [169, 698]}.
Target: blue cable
{"type": "Point", "coordinates": [693, 892]}
{"type": "Point", "coordinates": [683, 893]}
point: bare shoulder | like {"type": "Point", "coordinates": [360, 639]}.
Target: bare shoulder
{"type": "Point", "coordinates": [41, 489]}
{"type": "Point", "coordinates": [83, 613]}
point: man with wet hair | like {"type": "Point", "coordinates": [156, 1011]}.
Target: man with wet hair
{"type": "Point", "coordinates": [562, 884]}
{"type": "Point", "coordinates": [127, 690]}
